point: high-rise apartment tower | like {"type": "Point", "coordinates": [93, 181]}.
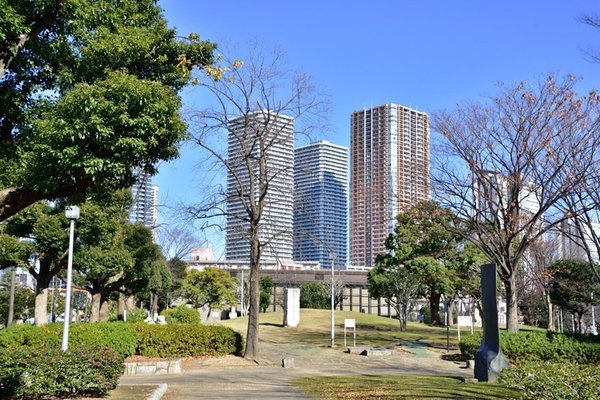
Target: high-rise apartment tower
{"type": "Point", "coordinates": [389, 174]}
{"type": "Point", "coordinates": [321, 204]}
{"type": "Point", "coordinates": [248, 135]}
{"type": "Point", "coordinates": [145, 200]}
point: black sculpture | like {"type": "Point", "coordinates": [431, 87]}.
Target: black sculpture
{"type": "Point", "coordinates": [489, 360]}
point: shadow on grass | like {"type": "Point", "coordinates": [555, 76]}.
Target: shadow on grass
{"type": "Point", "coordinates": [271, 324]}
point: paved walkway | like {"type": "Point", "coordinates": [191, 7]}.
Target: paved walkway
{"type": "Point", "coordinates": [235, 378]}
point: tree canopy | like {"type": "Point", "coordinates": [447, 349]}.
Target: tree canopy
{"type": "Point", "coordinates": [210, 287]}
{"type": "Point", "coordinates": [88, 91]}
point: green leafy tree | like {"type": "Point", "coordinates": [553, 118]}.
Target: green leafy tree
{"type": "Point", "coordinates": [88, 92]}
{"type": "Point", "coordinates": [45, 229]}
{"type": "Point", "coordinates": [23, 302]}
{"type": "Point", "coordinates": [101, 258]}
{"type": "Point", "coordinates": [116, 256]}
{"type": "Point", "coordinates": [424, 245]}
{"type": "Point", "coordinates": [395, 283]}
{"type": "Point", "coordinates": [574, 287]}
{"type": "Point", "coordinates": [315, 295]}
{"type": "Point", "coordinates": [210, 287]}
{"type": "Point", "coordinates": [150, 276]}
{"type": "Point", "coordinates": [266, 290]}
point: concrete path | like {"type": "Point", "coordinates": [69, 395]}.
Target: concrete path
{"type": "Point", "coordinates": [235, 378]}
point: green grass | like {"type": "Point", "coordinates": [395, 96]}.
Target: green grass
{"type": "Point", "coordinates": [400, 387]}
{"type": "Point", "coordinates": [315, 329]}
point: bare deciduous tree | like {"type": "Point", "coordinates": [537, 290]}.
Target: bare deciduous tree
{"type": "Point", "coordinates": [538, 276]}
{"type": "Point", "coordinates": [259, 108]}
{"type": "Point", "coordinates": [506, 166]}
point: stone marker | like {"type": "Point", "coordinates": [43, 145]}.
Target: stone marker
{"type": "Point", "coordinates": [291, 307]}
{"type": "Point", "coordinates": [489, 360]}
{"type": "Point", "coordinates": [287, 363]}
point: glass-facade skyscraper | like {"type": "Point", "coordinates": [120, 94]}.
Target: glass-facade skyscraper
{"type": "Point", "coordinates": [321, 204]}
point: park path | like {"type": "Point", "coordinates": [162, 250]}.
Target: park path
{"type": "Point", "coordinates": [235, 378]}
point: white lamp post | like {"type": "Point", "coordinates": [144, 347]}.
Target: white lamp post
{"type": "Point", "coordinates": [72, 213]}
{"type": "Point", "coordinates": [332, 304]}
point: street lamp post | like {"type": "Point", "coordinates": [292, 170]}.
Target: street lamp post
{"type": "Point", "coordinates": [332, 304]}
{"type": "Point", "coordinates": [72, 213]}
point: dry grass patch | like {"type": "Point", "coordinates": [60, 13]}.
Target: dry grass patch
{"type": "Point", "coordinates": [315, 329]}
{"type": "Point", "coordinates": [368, 387]}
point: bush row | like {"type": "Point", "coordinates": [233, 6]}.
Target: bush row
{"type": "Point", "coordinates": [177, 340]}
{"type": "Point", "coordinates": [43, 372]}
{"type": "Point", "coordinates": [186, 340]}
{"type": "Point", "coordinates": [553, 381]}
{"type": "Point", "coordinates": [181, 315]}
{"type": "Point", "coordinates": [113, 335]}
{"type": "Point", "coordinates": [538, 346]}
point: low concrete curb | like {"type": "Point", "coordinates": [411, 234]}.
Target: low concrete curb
{"type": "Point", "coordinates": [162, 367]}
{"type": "Point", "coordinates": [158, 392]}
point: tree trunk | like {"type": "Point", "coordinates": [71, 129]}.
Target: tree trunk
{"type": "Point", "coordinates": [103, 310]}
{"type": "Point", "coordinates": [11, 300]}
{"type": "Point", "coordinates": [251, 351]}
{"type": "Point", "coordinates": [451, 312]}
{"type": "Point", "coordinates": [41, 301]}
{"type": "Point", "coordinates": [95, 308]}
{"type": "Point", "coordinates": [130, 302]}
{"type": "Point", "coordinates": [154, 305]}
{"type": "Point", "coordinates": [434, 309]}
{"type": "Point", "coordinates": [121, 307]}
{"type": "Point", "coordinates": [550, 313]}
{"type": "Point", "coordinates": [512, 304]}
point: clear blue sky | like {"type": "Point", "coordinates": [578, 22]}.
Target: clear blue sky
{"type": "Point", "coordinates": [428, 55]}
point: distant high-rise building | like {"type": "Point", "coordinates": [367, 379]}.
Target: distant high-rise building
{"type": "Point", "coordinates": [321, 204]}
{"type": "Point", "coordinates": [276, 133]}
{"type": "Point", "coordinates": [145, 198]}
{"type": "Point", "coordinates": [389, 174]}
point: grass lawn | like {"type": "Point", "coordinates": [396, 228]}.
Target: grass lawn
{"type": "Point", "coordinates": [400, 387]}
{"type": "Point", "coordinates": [315, 329]}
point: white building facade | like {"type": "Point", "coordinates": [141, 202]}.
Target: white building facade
{"type": "Point", "coordinates": [250, 136]}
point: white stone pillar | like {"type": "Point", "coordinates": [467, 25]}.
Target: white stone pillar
{"type": "Point", "coordinates": [291, 307]}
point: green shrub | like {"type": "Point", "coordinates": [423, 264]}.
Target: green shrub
{"type": "Point", "coordinates": [29, 335]}
{"type": "Point", "coordinates": [181, 315]}
{"type": "Point", "coordinates": [115, 335]}
{"type": "Point", "coordinates": [537, 346]}
{"type": "Point", "coordinates": [554, 381]}
{"type": "Point", "coordinates": [186, 340]}
{"type": "Point", "coordinates": [136, 315]}
{"type": "Point", "coordinates": [32, 372]}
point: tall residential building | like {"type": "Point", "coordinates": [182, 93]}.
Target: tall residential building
{"type": "Point", "coordinates": [321, 204]}
{"type": "Point", "coordinates": [389, 174]}
{"type": "Point", "coordinates": [247, 135]}
{"type": "Point", "coordinates": [145, 200]}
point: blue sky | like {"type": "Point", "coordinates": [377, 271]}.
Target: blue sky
{"type": "Point", "coordinates": [428, 55]}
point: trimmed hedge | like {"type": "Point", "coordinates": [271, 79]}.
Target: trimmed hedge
{"type": "Point", "coordinates": [32, 372]}
{"type": "Point", "coordinates": [114, 335]}
{"type": "Point", "coordinates": [181, 315]}
{"type": "Point", "coordinates": [538, 346]}
{"type": "Point", "coordinates": [186, 340]}
{"type": "Point", "coordinates": [554, 381]}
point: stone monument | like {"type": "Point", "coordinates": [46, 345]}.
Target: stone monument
{"type": "Point", "coordinates": [291, 307]}
{"type": "Point", "coordinates": [489, 360]}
